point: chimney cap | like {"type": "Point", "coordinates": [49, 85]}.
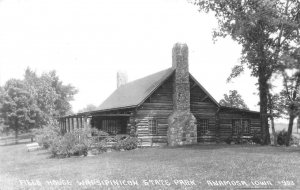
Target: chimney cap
{"type": "Point", "coordinates": [180, 45]}
{"type": "Point", "coordinates": [180, 50]}
{"type": "Point", "coordinates": [122, 78]}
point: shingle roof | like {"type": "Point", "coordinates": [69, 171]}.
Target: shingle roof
{"type": "Point", "coordinates": [136, 92]}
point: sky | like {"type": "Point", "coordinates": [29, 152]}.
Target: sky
{"type": "Point", "coordinates": [87, 42]}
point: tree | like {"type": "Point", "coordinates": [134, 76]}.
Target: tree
{"type": "Point", "coordinates": [51, 96]}
{"type": "Point", "coordinates": [264, 29]}
{"type": "Point", "coordinates": [18, 109]}
{"type": "Point", "coordinates": [233, 99]}
{"type": "Point", "coordinates": [275, 110]}
{"type": "Point", "coordinates": [89, 107]}
{"type": "Point", "coordinates": [291, 88]}
{"type": "Point", "coordinates": [44, 96]}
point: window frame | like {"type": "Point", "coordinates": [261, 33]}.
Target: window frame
{"type": "Point", "coordinates": [203, 126]}
{"type": "Point", "coordinates": [246, 129]}
{"type": "Point", "coordinates": [236, 126]}
{"type": "Point", "coordinates": [153, 126]}
{"type": "Point", "coordinates": [241, 129]}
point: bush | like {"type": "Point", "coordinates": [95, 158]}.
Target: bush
{"type": "Point", "coordinates": [238, 139]}
{"type": "Point", "coordinates": [256, 138]}
{"type": "Point", "coordinates": [281, 138]}
{"type": "Point", "coordinates": [100, 146]}
{"type": "Point", "coordinates": [97, 135]}
{"type": "Point", "coordinates": [76, 142]}
{"type": "Point", "coordinates": [228, 140]}
{"type": "Point", "coordinates": [128, 143]}
{"type": "Point", "coordinates": [295, 141]}
{"type": "Point", "coordinates": [47, 135]}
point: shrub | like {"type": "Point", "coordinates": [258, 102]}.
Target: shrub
{"type": "Point", "coordinates": [281, 138]}
{"type": "Point", "coordinates": [127, 143]}
{"type": "Point", "coordinates": [46, 135]}
{"type": "Point", "coordinates": [76, 142]}
{"type": "Point", "coordinates": [238, 139]}
{"type": "Point", "coordinates": [295, 140]}
{"type": "Point", "coordinates": [100, 146]}
{"type": "Point", "coordinates": [98, 135]}
{"type": "Point", "coordinates": [228, 140]}
{"type": "Point", "coordinates": [256, 138]}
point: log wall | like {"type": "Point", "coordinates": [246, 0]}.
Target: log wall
{"type": "Point", "coordinates": [157, 107]}
{"type": "Point", "coordinates": [226, 118]}
{"type": "Point", "coordinates": [203, 108]}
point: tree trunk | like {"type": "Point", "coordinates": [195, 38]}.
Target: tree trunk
{"type": "Point", "coordinates": [298, 123]}
{"type": "Point", "coordinates": [263, 96]}
{"type": "Point", "coordinates": [290, 130]}
{"type": "Point", "coordinates": [273, 130]}
{"type": "Point", "coordinates": [16, 131]}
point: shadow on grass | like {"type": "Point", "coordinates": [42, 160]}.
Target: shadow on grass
{"type": "Point", "coordinates": [43, 152]}
{"type": "Point", "coordinates": [13, 143]}
{"type": "Point", "coordinates": [247, 148]}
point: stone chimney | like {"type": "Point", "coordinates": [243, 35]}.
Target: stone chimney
{"type": "Point", "coordinates": [182, 123]}
{"type": "Point", "coordinates": [121, 78]}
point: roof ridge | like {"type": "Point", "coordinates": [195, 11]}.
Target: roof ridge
{"type": "Point", "coordinates": [145, 77]}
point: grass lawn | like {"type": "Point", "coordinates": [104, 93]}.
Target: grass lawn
{"type": "Point", "coordinates": [190, 167]}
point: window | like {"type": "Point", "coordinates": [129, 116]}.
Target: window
{"type": "Point", "coordinates": [111, 126]}
{"type": "Point", "coordinates": [240, 126]}
{"type": "Point", "coordinates": [203, 125]}
{"type": "Point", "coordinates": [152, 126]}
{"type": "Point", "coordinates": [246, 126]}
{"type": "Point", "coordinates": [236, 126]}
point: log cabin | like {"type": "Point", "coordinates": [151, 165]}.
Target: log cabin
{"type": "Point", "coordinates": [169, 107]}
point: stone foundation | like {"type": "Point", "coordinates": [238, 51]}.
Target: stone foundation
{"type": "Point", "coordinates": [182, 128]}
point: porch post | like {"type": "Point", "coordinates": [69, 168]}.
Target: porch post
{"type": "Point", "coordinates": [85, 125]}
{"type": "Point", "coordinates": [77, 122]}
{"type": "Point", "coordinates": [73, 125]}
{"type": "Point", "coordinates": [65, 125]}
{"type": "Point", "coordinates": [69, 125]}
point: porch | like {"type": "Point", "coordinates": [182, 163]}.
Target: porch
{"type": "Point", "coordinates": [111, 123]}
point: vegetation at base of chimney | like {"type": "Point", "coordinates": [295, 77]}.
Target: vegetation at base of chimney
{"type": "Point", "coordinates": [266, 30]}
{"type": "Point", "coordinates": [233, 99]}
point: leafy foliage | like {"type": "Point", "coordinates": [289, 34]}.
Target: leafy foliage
{"type": "Point", "coordinates": [18, 109]}
{"type": "Point", "coordinates": [128, 143]}
{"type": "Point", "coordinates": [265, 29]}
{"type": "Point", "coordinates": [35, 101]}
{"type": "Point", "coordinates": [48, 134]}
{"type": "Point", "coordinates": [75, 142]}
{"type": "Point", "coordinates": [52, 97]}
{"type": "Point", "coordinates": [229, 139]}
{"type": "Point", "coordinates": [233, 99]}
{"type": "Point", "coordinates": [282, 137]}
{"type": "Point", "coordinates": [256, 138]}
{"type": "Point", "coordinates": [290, 93]}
